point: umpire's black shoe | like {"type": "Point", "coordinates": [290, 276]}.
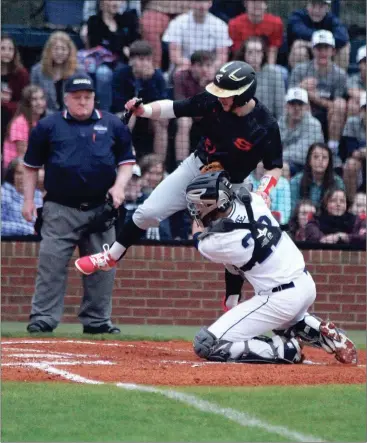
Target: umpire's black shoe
{"type": "Point", "coordinates": [39, 326]}
{"type": "Point", "coordinates": [103, 329]}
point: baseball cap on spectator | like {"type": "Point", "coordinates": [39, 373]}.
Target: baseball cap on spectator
{"type": "Point", "coordinates": [362, 100]}
{"type": "Point", "coordinates": [136, 170]}
{"type": "Point", "coordinates": [361, 54]}
{"type": "Point", "coordinates": [81, 82]}
{"type": "Point", "coordinates": [323, 37]}
{"type": "Point", "coordinates": [296, 95]}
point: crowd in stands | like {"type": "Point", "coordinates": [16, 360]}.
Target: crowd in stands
{"type": "Point", "coordinates": [158, 49]}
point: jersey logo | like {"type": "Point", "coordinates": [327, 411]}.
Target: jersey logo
{"type": "Point", "coordinates": [262, 232]}
{"type": "Point", "coordinates": [234, 77]}
{"type": "Point", "coordinates": [243, 144]}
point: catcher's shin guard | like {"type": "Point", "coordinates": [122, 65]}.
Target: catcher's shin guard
{"type": "Point", "coordinates": [324, 335]}
{"type": "Point", "coordinates": [263, 349]}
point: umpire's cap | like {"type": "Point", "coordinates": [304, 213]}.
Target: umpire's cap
{"type": "Point", "coordinates": [234, 79]}
{"type": "Point", "coordinates": [81, 82]}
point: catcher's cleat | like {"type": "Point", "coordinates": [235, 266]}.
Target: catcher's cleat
{"type": "Point", "coordinates": [342, 346]}
{"type": "Point", "coordinates": [96, 262]}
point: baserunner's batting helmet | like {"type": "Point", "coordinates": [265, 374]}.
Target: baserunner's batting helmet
{"type": "Point", "coordinates": [236, 79]}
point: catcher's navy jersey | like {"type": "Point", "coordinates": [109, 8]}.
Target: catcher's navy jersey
{"type": "Point", "coordinates": [239, 143]}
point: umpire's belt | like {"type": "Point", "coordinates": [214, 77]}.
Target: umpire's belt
{"type": "Point", "coordinates": [287, 285]}
{"type": "Point", "coordinates": [81, 205]}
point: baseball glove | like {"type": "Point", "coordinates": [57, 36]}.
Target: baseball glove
{"type": "Point", "coordinates": [212, 167]}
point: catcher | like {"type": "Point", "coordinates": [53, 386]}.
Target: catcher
{"type": "Point", "coordinates": [238, 132]}
{"type": "Point", "coordinates": [238, 230]}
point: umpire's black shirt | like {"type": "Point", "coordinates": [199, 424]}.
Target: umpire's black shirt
{"type": "Point", "coordinates": [80, 157]}
{"type": "Point", "coordinates": [239, 143]}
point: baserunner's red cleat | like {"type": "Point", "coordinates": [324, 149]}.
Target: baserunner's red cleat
{"type": "Point", "coordinates": [102, 261]}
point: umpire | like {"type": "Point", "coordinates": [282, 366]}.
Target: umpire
{"type": "Point", "coordinates": [86, 155]}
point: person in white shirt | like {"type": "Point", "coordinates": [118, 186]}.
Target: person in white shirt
{"type": "Point", "coordinates": [238, 230]}
{"type": "Point", "coordinates": [197, 30]}
{"type": "Point", "coordinates": [298, 129]}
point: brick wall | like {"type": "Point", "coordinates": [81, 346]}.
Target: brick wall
{"type": "Point", "coordinates": [176, 286]}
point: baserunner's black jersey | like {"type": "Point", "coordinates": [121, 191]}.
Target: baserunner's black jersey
{"type": "Point", "coordinates": [239, 143]}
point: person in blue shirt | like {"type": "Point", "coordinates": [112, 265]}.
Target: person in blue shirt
{"type": "Point", "coordinates": [12, 199]}
{"type": "Point", "coordinates": [304, 22]}
{"type": "Point", "coordinates": [86, 155]}
{"type": "Point", "coordinates": [140, 79]}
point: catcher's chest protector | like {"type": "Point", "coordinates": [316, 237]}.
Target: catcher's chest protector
{"type": "Point", "coordinates": [265, 237]}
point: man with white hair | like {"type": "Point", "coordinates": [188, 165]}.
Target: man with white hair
{"type": "Point", "coordinates": [325, 83]}
{"type": "Point", "coordinates": [298, 129]}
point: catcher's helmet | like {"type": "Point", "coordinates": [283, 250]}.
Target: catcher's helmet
{"type": "Point", "coordinates": [209, 192]}
{"type": "Point", "coordinates": [234, 79]}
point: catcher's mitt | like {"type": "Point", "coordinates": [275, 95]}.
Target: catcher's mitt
{"type": "Point", "coordinates": [212, 167]}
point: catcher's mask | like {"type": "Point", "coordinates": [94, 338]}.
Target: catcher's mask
{"type": "Point", "coordinates": [234, 79]}
{"type": "Point", "coordinates": [207, 193]}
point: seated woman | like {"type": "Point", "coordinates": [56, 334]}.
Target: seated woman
{"type": "Point", "coordinates": [58, 63]}
{"type": "Point", "coordinates": [12, 199]}
{"type": "Point", "coordinates": [317, 177]}
{"type": "Point", "coordinates": [14, 77]}
{"type": "Point", "coordinates": [32, 107]}
{"type": "Point", "coordinates": [270, 82]}
{"type": "Point", "coordinates": [115, 32]}
{"type": "Point", "coordinates": [303, 212]}
{"type": "Point", "coordinates": [334, 224]}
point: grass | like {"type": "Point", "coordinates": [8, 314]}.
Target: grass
{"type": "Point", "coordinates": [46, 412]}
{"type": "Point", "coordinates": [133, 332]}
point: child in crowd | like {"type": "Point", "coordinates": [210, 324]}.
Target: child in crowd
{"type": "Point", "coordinates": [303, 212]}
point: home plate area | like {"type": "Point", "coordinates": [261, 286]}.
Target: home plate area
{"type": "Point", "coordinates": [160, 363]}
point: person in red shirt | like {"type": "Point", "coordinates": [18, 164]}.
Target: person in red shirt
{"type": "Point", "coordinates": [257, 22]}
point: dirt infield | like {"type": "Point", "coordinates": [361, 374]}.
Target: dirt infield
{"type": "Point", "coordinates": [160, 363]}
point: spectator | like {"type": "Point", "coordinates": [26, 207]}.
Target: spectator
{"type": "Point", "coordinates": [356, 83]}
{"type": "Point", "coordinates": [32, 107]}
{"type": "Point", "coordinates": [196, 30]}
{"type": "Point", "coordinates": [58, 63]}
{"type": "Point", "coordinates": [270, 88]}
{"type": "Point", "coordinates": [280, 196]}
{"type": "Point", "coordinates": [257, 23]}
{"type": "Point", "coordinates": [318, 176]}
{"type": "Point", "coordinates": [359, 205]}
{"type": "Point", "coordinates": [86, 155]}
{"type": "Point", "coordinates": [140, 79]}
{"type": "Point", "coordinates": [302, 213]}
{"type": "Point", "coordinates": [90, 7]}
{"type": "Point", "coordinates": [316, 16]}
{"type": "Point", "coordinates": [12, 200]}
{"type": "Point", "coordinates": [187, 83]}
{"type": "Point", "coordinates": [298, 129]}
{"type": "Point", "coordinates": [325, 83]}
{"type": "Point", "coordinates": [154, 21]}
{"type": "Point", "coordinates": [353, 149]}
{"type": "Point", "coordinates": [14, 77]}
{"type": "Point", "coordinates": [334, 224]}
{"type": "Point", "coordinates": [115, 32]}
{"type": "Point", "coordinates": [152, 173]}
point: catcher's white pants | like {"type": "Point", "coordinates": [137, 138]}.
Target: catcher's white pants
{"type": "Point", "coordinates": [266, 311]}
